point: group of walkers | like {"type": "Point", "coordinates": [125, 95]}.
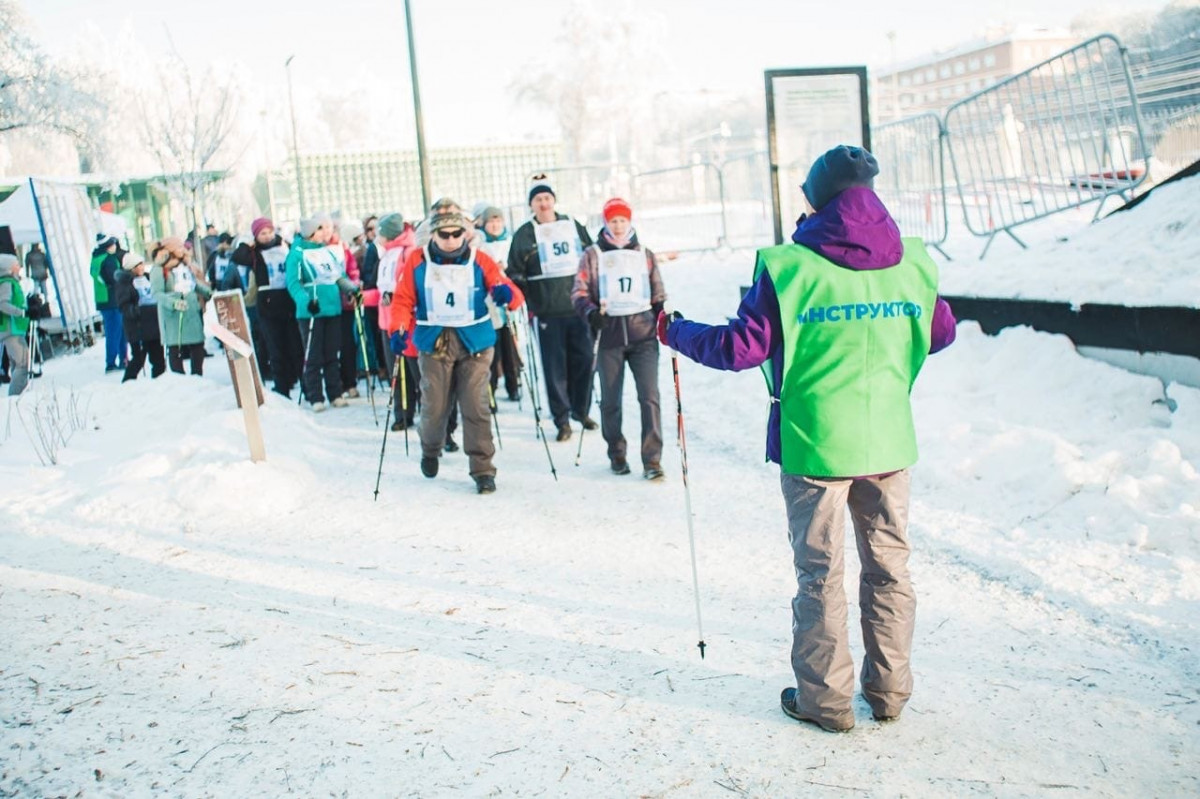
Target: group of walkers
{"type": "Point", "coordinates": [840, 319]}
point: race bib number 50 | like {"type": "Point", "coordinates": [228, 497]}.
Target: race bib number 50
{"type": "Point", "coordinates": [558, 246]}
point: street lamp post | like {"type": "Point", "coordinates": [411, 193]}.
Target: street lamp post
{"type": "Point", "coordinates": [287, 66]}
{"type": "Point", "coordinates": [422, 158]}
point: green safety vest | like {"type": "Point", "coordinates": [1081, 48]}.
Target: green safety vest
{"type": "Point", "coordinates": [101, 288]}
{"type": "Point", "coordinates": [14, 324]}
{"type": "Point", "coordinates": [853, 343]}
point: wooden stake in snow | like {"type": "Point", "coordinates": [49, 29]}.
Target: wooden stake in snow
{"type": "Point", "coordinates": [233, 330]}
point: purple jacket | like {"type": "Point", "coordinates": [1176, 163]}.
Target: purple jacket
{"type": "Point", "coordinates": [855, 231]}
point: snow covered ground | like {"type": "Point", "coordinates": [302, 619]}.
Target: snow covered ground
{"type": "Point", "coordinates": [180, 622]}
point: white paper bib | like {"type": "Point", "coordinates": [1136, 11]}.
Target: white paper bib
{"type": "Point", "coordinates": [559, 248]}
{"type": "Point", "coordinates": [497, 251]}
{"type": "Point", "coordinates": [322, 266]}
{"type": "Point", "coordinates": [144, 290]}
{"type": "Point", "coordinates": [182, 280]}
{"type": "Point", "coordinates": [624, 282]}
{"type": "Point", "coordinates": [276, 261]}
{"type": "Point", "coordinates": [389, 265]}
{"type": "Point", "coordinates": [450, 294]}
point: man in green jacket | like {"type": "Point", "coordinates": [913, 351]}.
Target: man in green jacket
{"type": "Point", "coordinates": [315, 280]}
{"type": "Point", "coordinates": [14, 322]}
{"type": "Point", "coordinates": [106, 263]}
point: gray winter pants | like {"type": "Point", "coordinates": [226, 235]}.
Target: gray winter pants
{"type": "Point", "coordinates": [643, 361]}
{"type": "Point", "coordinates": [820, 649]}
{"type": "Point", "coordinates": [451, 368]}
{"type": "Point", "coordinates": [18, 363]}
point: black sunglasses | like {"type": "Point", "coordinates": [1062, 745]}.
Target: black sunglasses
{"type": "Point", "coordinates": [450, 234]}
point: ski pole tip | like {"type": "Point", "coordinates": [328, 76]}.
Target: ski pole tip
{"type": "Point", "coordinates": [701, 645]}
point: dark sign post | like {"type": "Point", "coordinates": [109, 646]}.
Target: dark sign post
{"type": "Point", "coordinates": [233, 330]}
{"type": "Point", "coordinates": [810, 111]}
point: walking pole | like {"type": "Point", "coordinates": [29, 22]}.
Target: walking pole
{"type": "Point", "coordinates": [512, 329]}
{"type": "Point", "coordinates": [536, 400]}
{"type": "Point", "coordinates": [362, 342]}
{"type": "Point", "coordinates": [591, 389]}
{"type": "Point", "coordinates": [386, 426]}
{"type": "Point", "coordinates": [687, 494]}
{"type": "Point", "coordinates": [495, 418]}
{"type": "Point", "coordinates": [304, 363]}
{"type": "Point", "coordinates": [403, 369]}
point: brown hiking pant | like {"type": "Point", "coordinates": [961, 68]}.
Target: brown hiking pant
{"type": "Point", "coordinates": [447, 373]}
{"type": "Point", "coordinates": [820, 649]}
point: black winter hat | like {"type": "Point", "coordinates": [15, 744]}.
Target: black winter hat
{"type": "Point", "coordinates": [837, 170]}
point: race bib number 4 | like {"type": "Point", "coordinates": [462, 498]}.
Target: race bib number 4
{"type": "Point", "coordinates": [558, 246]}
{"type": "Point", "coordinates": [450, 294]}
{"type": "Point", "coordinates": [624, 282]}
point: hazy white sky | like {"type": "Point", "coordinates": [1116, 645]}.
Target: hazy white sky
{"type": "Point", "coordinates": [470, 51]}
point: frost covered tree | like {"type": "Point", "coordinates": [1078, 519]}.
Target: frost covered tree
{"type": "Point", "coordinates": [189, 121]}
{"type": "Point", "coordinates": [36, 92]}
{"type": "Point", "coordinates": [599, 117]}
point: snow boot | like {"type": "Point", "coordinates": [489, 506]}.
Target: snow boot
{"type": "Point", "coordinates": [451, 444]}
{"type": "Point", "coordinates": [588, 422]}
{"type": "Point", "coordinates": [485, 484]}
{"type": "Point", "coordinates": [564, 433]}
{"type": "Point", "coordinates": [787, 700]}
{"type": "Point", "coordinates": [620, 466]}
{"type": "Point", "coordinates": [652, 472]}
{"type": "Point", "coordinates": [318, 407]}
{"type": "Point", "coordinates": [429, 465]}
{"type": "Point", "coordinates": [340, 402]}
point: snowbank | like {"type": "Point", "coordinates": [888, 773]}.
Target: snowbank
{"type": "Point", "coordinates": [1145, 256]}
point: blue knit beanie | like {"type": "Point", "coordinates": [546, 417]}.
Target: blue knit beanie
{"type": "Point", "coordinates": [837, 170]}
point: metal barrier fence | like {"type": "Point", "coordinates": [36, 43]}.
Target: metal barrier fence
{"type": "Point", "coordinates": [912, 177]}
{"type": "Point", "coordinates": [1058, 136]}
{"type": "Point", "coordinates": [698, 207]}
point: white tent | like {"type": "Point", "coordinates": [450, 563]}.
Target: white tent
{"type": "Point", "coordinates": [60, 216]}
{"type": "Point", "coordinates": [20, 216]}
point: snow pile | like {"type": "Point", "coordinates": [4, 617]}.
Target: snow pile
{"type": "Point", "coordinates": [1142, 257]}
{"type": "Point", "coordinates": [180, 621]}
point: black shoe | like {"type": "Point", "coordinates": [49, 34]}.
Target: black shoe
{"type": "Point", "coordinates": [485, 484]}
{"type": "Point", "coordinates": [588, 423]}
{"type": "Point", "coordinates": [451, 445]}
{"type": "Point", "coordinates": [787, 700]}
{"type": "Point", "coordinates": [429, 466]}
{"type": "Point", "coordinates": [398, 425]}
{"type": "Point", "coordinates": [883, 718]}
{"type": "Point", "coordinates": [620, 466]}
{"type": "Point", "coordinates": [514, 396]}
{"type": "Point", "coordinates": [564, 433]}
{"type": "Point", "coordinates": [652, 472]}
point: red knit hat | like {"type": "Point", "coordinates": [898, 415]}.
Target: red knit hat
{"type": "Point", "coordinates": [617, 207]}
{"type": "Point", "coordinates": [259, 224]}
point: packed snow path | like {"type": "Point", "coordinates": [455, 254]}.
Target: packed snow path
{"type": "Point", "coordinates": [180, 622]}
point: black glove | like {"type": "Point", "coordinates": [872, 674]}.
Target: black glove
{"type": "Point", "coordinates": [314, 307]}
{"type": "Point", "coordinates": [595, 320]}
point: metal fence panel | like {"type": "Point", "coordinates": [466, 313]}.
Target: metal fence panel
{"type": "Point", "coordinates": [912, 180]}
{"type": "Point", "coordinates": [1062, 134]}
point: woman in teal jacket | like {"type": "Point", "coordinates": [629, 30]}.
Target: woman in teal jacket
{"type": "Point", "coordinates": [178, 283]}
{"type": "Point", "coordinates": [315, 280]}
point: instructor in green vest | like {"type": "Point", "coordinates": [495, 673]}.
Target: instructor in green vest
{"type": "Point", "coordinates": [14, 323]}
{"type": "Point", "coordinates": [840, 320]}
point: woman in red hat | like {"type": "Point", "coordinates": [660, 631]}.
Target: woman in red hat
{"type": "Point", "coordinates": [619, 291]}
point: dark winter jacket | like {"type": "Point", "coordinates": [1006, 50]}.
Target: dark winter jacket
{"type": "Point", "coordinates": [139, 308]}
{"type": "Point", "coordinates": [854, 231]}
{"type": "Point", "coordinates": [368, 266]}
{"type": "Point", "coordinates": [550, 297]}
{"type": "Point", "coordinates": [272, 303]}
{"type": "Point", "coordinates": [35, 262]}
{"type": "Point", "coordinates": [618, 331]}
